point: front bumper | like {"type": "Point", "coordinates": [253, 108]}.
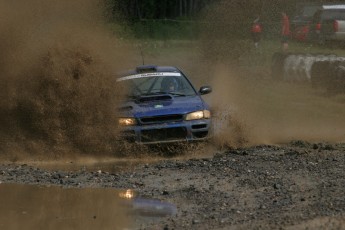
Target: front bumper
{"type": "Point", "coordinates": [194, 130]}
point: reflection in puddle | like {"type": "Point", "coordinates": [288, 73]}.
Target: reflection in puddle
{"type": "Point", "coordinates": [154, 208]}
{"type": "Point", "coordinates": [40, 207]}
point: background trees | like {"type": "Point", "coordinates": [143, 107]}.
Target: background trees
{"type": "Point", "coordinates": [158, 9]}
{"type": "Point", "coordinates": [175, 18]}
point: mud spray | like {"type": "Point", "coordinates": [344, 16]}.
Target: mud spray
{"type": "Point", "coordinates": [57, 63]}
{"type": "Point", "coordinates": [57, 98]}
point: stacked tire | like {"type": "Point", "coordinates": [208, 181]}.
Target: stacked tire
{"type": "Point", "coordinates": [325, 71]}
{"type": "Point", "coordinates": [337, 83]}
{"type": "Point", "coordinates": [277, 67]}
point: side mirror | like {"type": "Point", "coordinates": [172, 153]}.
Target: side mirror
{"type": "Point", "coordinates": [205, 90]}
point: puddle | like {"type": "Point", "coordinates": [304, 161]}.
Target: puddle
{"type": "Point", "coordinates": [42, 207]}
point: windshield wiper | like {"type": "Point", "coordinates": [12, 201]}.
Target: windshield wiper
{"type": "Point", "coordinates": [161, 92]}
{"type": "Point", "coordinates": [131, 96]}
{"type": "Point", "coordinates": [153, 93]}
{"type": "Point", "coordinates": [177, 94]}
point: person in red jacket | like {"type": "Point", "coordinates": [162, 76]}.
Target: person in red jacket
{"type": "Point", "coordinates": [285, 33]}
{"type": "Point", "coordinates": [256, 31]}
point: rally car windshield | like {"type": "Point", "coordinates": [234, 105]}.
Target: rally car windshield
{"type": "Point", "coordinates": [141, 85]}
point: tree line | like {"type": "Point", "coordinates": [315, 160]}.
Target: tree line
{"type": "Point", "coordinates": [161, 19]}
{"type": "Point", "coordinates": [134, 10]}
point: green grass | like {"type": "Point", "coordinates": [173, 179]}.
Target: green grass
{"type": "Point", "coordinates": [158, 30]}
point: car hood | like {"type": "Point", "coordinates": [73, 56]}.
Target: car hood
{"type": "Point", "coordinates": [162, 105]}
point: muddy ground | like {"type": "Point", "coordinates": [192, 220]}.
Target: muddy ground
{"type": "Point", "coordinates": [299, 185]}
{"type": "Point", "coordinates": [266, 185]}
{"type": "Point", "coordinates": [56, 66]}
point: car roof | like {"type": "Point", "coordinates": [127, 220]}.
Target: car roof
{"type": "Point", "coordinates": [150, 69]}
{"type": "Point", "coordinates": [147, 71]}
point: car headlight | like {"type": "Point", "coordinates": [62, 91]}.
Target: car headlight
{"type": "Point", "coordinates": [206, 114]}
{"type": "Point", "coordinates": [127, 121]}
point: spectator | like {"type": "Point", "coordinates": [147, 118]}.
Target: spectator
{"type": "Point", "coordinates": [256, 31]}
{"type": "Point", "coordinates": [285, 31]}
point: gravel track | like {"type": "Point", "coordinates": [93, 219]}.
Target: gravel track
{"type": "Point", "coordinates": [295, 186]}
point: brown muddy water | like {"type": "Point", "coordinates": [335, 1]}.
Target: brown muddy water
{"type": "Point", "coordinates": [52, 207]}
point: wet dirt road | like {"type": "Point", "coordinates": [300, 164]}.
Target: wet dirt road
{"type": "Point", "coordinates": [295, 186]}
{"type": "Point", "coordinates": [291, 186]}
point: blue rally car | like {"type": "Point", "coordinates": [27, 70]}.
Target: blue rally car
{"type": "Point", "coordinates": [162, 106]}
